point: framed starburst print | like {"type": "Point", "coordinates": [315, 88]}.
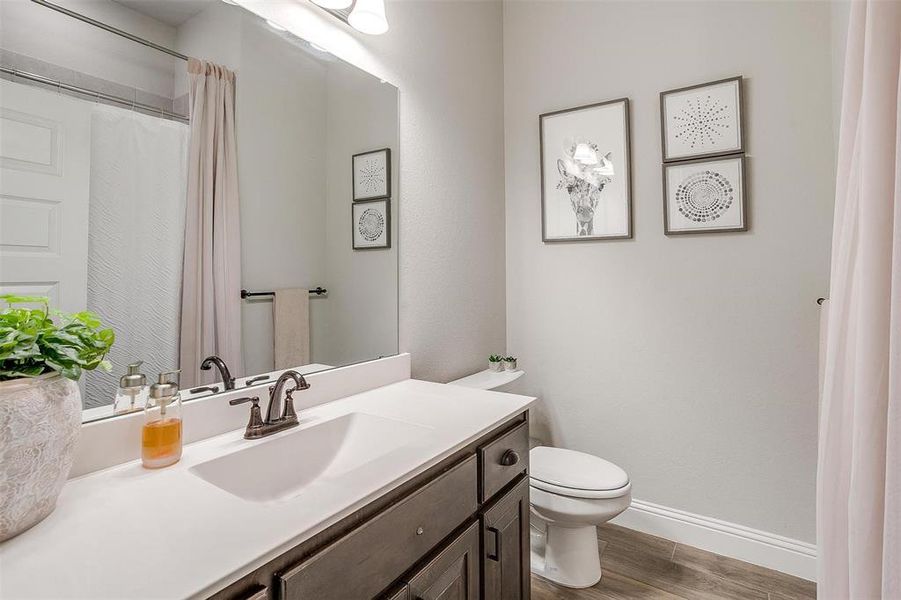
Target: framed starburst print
{"type": "Point", "coordinates": [702, 121]}
{"type": "Point", "coordinates": [372, 175]}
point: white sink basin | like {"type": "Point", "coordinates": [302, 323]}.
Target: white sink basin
{"type": "Point", "coordinates": [289, 464]}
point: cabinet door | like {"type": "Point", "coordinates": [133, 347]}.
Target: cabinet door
{"type": "Point", "coordinates": [453, 574]}
{"type": "Point", "coordinates": [505, 547]}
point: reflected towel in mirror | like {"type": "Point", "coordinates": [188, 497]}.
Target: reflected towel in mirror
{"type": "Point", "coordinates": [291, 328]}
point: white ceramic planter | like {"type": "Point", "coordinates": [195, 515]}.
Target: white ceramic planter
{"type": "Point", "coordinates": [509, 365]}
{"type": "Point", "coordinates": [497, 367]}
{"type": "Point", "coordinates": [40, 421]}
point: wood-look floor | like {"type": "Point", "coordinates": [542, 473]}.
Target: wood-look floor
{"type": "Point", "coordinates": [637, 565]}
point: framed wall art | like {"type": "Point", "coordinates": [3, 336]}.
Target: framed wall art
{"type": "Point", "coordinates": [705, 196]}
{"type": "Point", "coordinates": [703, 120]}
{"type": "Point", "coordinates": [586, 173]}
{"type": "Point", "coordinates": [372, 175]}
{"type": "Point", "coordinates": [371, 223]}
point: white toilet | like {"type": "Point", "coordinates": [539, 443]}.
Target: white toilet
{"type": "Point", "coordinates": [571, 494]}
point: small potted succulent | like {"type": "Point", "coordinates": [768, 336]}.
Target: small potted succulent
{"type": "Point", "coordinates": [41, 360]}
{"type": "Point", "coordinates": [510, 363]}
{"type": "Point", "coordinates": [496, 363]}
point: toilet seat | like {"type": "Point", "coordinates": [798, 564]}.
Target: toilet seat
{"type": "Point", "coordinates": [576, 474]}
{"type": "Point", "coordinates": [579, 493]}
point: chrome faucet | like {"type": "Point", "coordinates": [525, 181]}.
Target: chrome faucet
{"type": "Point", "coordinates": [258, 427]}
{"type": "Point", "coordinates": [227, 378]}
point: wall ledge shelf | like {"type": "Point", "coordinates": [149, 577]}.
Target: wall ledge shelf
{"type": "Point", "coordinates": [488, 380]}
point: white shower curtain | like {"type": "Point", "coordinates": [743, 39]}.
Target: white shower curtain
{"type": "Point", "coordinates": [859, 470]}
{"type": "Point", "coordinates": [135, 240]}
{"type": "Point", "coordinates": [211, 301]}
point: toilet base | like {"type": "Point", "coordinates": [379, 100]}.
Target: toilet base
{"type": "Point", "coordinates": [572, 558]}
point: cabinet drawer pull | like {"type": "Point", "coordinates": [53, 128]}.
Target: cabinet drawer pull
{"type": "Point", "coordinates": [496, 557]}
{"type": "Point", "coordinates": [510, 458]}
{"type": "Point", "coordinates": [419, 531]}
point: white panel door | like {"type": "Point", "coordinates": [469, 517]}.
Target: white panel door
{"type": "Point", "coordinates": [45, 157]}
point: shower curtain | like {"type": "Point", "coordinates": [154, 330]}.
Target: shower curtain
{"type": "Point", "coordinates": [135, 240]}
{"type": "Point", "coordinates": [859, 468]}
{"type": "Point", "coordinates": [211, 301]}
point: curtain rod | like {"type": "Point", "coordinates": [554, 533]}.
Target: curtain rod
{"type": "Point", "coordinates": [87, 92]}
{"type": "Point", "coordinates": [110, 28]}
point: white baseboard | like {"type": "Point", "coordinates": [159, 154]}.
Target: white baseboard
{"type": "Point", "coordinates": [736, 541]}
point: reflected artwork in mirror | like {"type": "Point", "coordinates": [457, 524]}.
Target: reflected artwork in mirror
{"type": "Point", "coordinates": [229, 261]}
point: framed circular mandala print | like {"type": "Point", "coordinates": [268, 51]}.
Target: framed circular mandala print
{"type": "Point", "coordinates": [705, 196]}
{"type": "Point", "coordinates": [371, 223]}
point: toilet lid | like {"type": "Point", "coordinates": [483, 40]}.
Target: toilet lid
{"type": "Point", "coordinates": [575, 470]}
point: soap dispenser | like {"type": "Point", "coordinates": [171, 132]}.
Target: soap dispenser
{"type": "Point", "coordinates": [161, 437]}
{"type": "Point", "coordinates": [132, 392]}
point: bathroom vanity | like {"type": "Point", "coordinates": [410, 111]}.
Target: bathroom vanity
{"type": "Point", "coordinates": [458, 531]}
{"type": "Point", "coordinates": [389, 487]}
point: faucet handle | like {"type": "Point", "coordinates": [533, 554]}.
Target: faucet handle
{"type": "Point", "coordinates": [288, 411]}
{"type": "Point", "coordinates": [255, 424]}
{"type": "Point", "coordinates": [236, 401]}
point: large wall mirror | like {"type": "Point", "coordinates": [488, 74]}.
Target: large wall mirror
{"type": "Point", "coordinates": [105, 208]}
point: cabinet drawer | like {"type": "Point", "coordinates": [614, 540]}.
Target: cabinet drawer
{"type": "Point", "coordinates": [502, 459]}
{"type": "Point", "coordinates": [368, 559]}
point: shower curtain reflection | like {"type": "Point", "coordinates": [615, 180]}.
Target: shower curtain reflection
{"type": "Point", "coordinates": [136, 240]}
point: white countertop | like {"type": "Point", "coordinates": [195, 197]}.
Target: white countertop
{"type": "Point", "coordinates": [129, 532]}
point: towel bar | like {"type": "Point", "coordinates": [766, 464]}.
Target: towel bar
{"type": "Point", "coordinates": [245, 294]}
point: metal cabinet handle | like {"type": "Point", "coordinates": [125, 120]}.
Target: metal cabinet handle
{"type": "Point", "coordinates": [496, 557]}
{"type": "Point", "coordinates": [510, 458]}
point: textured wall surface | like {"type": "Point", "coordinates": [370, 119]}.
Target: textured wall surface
{"type": "Point", "coordinates": [447, 60]}
{"type": "Point", "coordinates": [690, 361]}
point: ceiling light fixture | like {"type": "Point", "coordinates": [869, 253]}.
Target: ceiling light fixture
{"type": "Point", "coordinates": [368, 16]}
{"type": "Point", "coordinates": [275, 25]}
{"type": "Point", "coordinates": [333, 4]}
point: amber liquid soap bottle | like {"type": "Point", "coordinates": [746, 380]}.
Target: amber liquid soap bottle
{"type": "Point", "coordinates": [161, 437]}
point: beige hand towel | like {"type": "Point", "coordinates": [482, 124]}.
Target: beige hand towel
{"type": "Point", "coordinates": [291, 328]}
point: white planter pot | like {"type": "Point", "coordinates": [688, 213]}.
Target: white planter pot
{"type": "Point", "coordinates": [509, 365]}
{"type": "Point", "coordinates": [40, 421]}
{"type": "Point", "coordinates": [497, 367]}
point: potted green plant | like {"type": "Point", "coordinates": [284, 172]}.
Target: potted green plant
{"type": "Point", "coordinates": [41, 359]}
{"type": "Point", "coordinates": [510, 363]}
{"type": "Point", "coordinates": [495, 362]}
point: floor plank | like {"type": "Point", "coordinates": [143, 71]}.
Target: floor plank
{"type": "Point", "coordinates": [648, 559]}
{"type": "Point", "coordinates": [773, 582]}
{"type": "Point", "coordinates": [612, 586]}
{"type": "Point", "coordinates": [637, 565]}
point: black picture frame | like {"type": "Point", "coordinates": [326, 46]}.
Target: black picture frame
{"type": "Point", "coordinates": [744, 195]}
{"type": "Point", "coordinates": [627, 140]}
{"type": "Point", "coordinates": [353, 223]}
{"type": "Point", "coordinates": [739, 80]}
{"type": "Point", "coordinates": [353, 175]}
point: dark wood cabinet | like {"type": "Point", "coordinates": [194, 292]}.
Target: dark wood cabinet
{"type": "Point", "coordinates": [367, 560]}
{"type": "Point", "coordinates": [453, 574]}
{"type": "Point", "coordinates": [458, 531]}
{"type": "Point", "coordinates": [505, 546]}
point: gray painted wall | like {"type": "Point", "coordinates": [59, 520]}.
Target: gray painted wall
{"type": "Point", "coordinates": [690, 361]}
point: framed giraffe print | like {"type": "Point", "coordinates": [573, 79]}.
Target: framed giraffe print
{"type": "Point", "coordinates": [372, 175]}
{"type": "Point", "coordinates": [586, 173]}
{"type": "Point", "coordinates": [702, 121]}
